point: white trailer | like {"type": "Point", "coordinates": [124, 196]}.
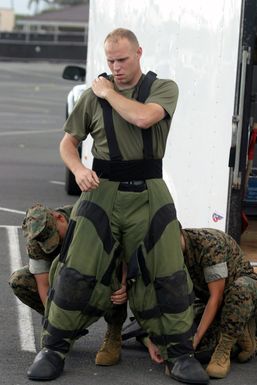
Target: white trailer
{"type": "Point", "coordinates": [207, 48]}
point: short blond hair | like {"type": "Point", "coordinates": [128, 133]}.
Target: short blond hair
{"type": "Point", "coordinates": [122, 33]}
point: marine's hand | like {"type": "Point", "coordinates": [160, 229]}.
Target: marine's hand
{"type": "Point", "coordinates": [196, 341]}
{"type": "Point", "coordinates": [86, 179]}
{"type": "Point", "coordinates": [154, 352]}
{"type": "Point", "coordinates": [101, 86]}
{"type": "Point", "coordinates": [120, 296]}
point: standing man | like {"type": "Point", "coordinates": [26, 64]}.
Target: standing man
{"type": "Point", "coordinates": [125, 209]}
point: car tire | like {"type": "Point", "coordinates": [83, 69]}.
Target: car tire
{"type": "Point", "coordinates": [71, 186]}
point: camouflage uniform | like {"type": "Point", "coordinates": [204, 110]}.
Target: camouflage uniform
{"type": "Point", "coordinates": [43, 245]}
{"type": "Point", "coordinates": [211, 255]}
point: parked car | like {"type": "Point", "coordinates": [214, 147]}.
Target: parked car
{"type": "Point", "coordinates": [74, 73]}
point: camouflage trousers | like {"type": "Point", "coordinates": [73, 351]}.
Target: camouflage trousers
{"type": "Point", "coordinates": [239, 306]}
{"type": "Point", "coordinates": [24, 287]}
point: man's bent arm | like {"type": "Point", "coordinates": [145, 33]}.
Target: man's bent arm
{"type": "Point", "coordinates": [69, 152]}
{"type": "Point", "coordinates": [139, 114]}
{"type": "Point", "coordinates": [216, 289]}
{"type": "Point", "coordinates": [42, 285]}
{"type": "Point", "coordinates": [86, 179]}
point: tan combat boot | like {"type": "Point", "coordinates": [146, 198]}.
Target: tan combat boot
{"type": "Point", "coordinates": [219, 365]}
{"type": "Point", "coordinates": [110, 351]}
{"type": "Point", "coordinates": [247, 342]}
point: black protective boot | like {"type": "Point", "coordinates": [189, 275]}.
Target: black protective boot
{"type": "Point", "coordinates": [47, 366]}
{"type": "Point", "coordinates": [187, 369]}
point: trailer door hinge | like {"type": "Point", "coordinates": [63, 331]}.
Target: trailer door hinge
{"type": "Point", "coordinates": [237, 120]}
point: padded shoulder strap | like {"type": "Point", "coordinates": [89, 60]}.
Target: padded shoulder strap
{"type": "Point", "coordinates": [142, 95]}
{"type": "Point", "coordinates": [143, 92]}
{"type": "Point", "coordinates": [145, 86]}
{"type": "Point", "coordinates": [109, 127]}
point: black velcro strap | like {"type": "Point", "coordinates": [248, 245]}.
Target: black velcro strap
{"type": "Point", "coordinates": [50, 293]}
{"type": "Point", "coordinates": [72, 334]}
{"type": "Point", "coordinates": [133, 268]}
{"type": "Point", "coordinates": [161, 219]}
{"type": "Point", "coordinates": [56, 344]}
{"type": "Point", "coordinates": [133, 330]}
{"type": "Point", "coordinates": [155, 312]}
{"type": "Point", "coordinates": [158, 310]}
{"type": "Point", "coordinates": [137, 266]}
{"type": "Point", "coordinates": [165, 340]}
{"type": "Point", "coordinates": [93, 311]}
{"type": "Point", "coordinates": [106, 279]}
{"type": "Point", "coordinates": [125, 170]}
{"type": "Point", "coordinates": [143, 268]}
{"type": "Point", "coordinates": [67, 241]}
{"type": "Point", "coordinates": [100, 220]}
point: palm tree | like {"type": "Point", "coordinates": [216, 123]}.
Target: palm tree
{"type": "Point", "coordinates": [36, 3]}
{"type": "Point", "coordinates": [55, 2]}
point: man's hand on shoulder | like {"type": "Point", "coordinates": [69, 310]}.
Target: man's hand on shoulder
{"type": "Point", "coordinates": [101, 86]}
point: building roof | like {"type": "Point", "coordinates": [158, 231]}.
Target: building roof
{"type": "Point", "coordinates": [74, 14]}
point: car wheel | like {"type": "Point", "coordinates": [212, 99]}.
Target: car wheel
{"type": "Point", "coordinates": [71, 186]}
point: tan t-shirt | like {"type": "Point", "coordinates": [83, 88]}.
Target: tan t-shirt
{"type": "Point", "coordinates": [87, 118]}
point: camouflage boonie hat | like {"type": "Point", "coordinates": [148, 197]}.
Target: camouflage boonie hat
{"type": "Point", "coordinates": [40, 225]}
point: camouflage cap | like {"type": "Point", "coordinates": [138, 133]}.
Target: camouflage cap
{"type": "Point", "coordinates": [40, 225]}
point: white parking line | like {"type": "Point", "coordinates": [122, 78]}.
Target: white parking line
{"type": "Point", "coordinates": [12, 211]}
{"type": "Point", "coordinates": [57, 182]}
{"type": "Point", "coordinates": [26, 132]}
{"type": "Point", "coordinates": [25, 325]}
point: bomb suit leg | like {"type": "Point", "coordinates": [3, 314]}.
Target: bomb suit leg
{"type": "Point", "coordinates": [85, 273]}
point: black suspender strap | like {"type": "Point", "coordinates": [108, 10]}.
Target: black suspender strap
{"type": "Point", "coordinates": [145, 86]}
{"type": "Point", "coordinates": [143, 92]}
{"type": "Point", "coordinates": [109, 127]}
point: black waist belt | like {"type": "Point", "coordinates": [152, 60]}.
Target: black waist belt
{"type": "Point", "coordinates": [126, 170]}
{"type": "Point", "coordinates": [133, 186]}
